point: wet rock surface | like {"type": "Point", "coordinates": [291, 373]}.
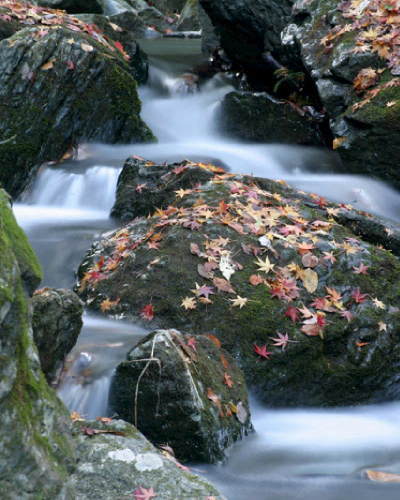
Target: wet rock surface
{"type": "Point", "coordinates": [364, 116]}
{"type": "Point", "coordinates": [36, 450]}
{"type": "Point", "coordinates": [116, 461]}
{"type": "Point", "coordinates": [257, 117]}
{"type": "Point", "coordinates": [185, 391]}
{"type": "Point", "coordinates": [50, 82]}
{"type": "Point", "coordinates": [250, 29]}
{"type": "Point", "coordinates": [296, 297]}
{"type": "Point", "coordinates": [56, 322]}
{"type": "Point", "coordinates": [144, 185]}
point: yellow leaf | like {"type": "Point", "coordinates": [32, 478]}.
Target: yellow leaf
{"type": "Point", "coordinates": [338, 142]}
{"type": "Point", "coordinates": [48, 65]}
{"type": "Point", "coordinates": [385, 477]}
{"type": "Point", "coordinates": [310, 280]}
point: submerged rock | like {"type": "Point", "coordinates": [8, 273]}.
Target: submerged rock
{"type": "Point", "coordinates": [116, 461]}
{"type": "Point", "coordinates": [356, 78]}
{"type": "Point", "coordinates": [309, 309]}
{"type": "Point", "coordinates": [260, 118]}
{"type": "Point", "coordinates": [36, 450]}
{"type": "Point", "coordinates": [60, 86]}
{"type": "Point", "coordinates": [56, 322]}
{"type": "Point", "coordinates": [185, 391]}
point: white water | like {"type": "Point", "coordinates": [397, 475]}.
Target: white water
{"type": "Point", "coordinates": [295, 454]}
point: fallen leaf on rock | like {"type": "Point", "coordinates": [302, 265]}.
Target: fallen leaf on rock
{"type": "Point", "coordinates": [144, 493]}
{"type": "Point", "coordinates": [188, 303]}
{"type": "Point", "coordinates": [226, 267]}
{"type": "Point", "coordinates": [255, 279]}
{"type": "Point", "coordinates": [262, 351]}
{"type": "Point", "coordinates": [48, 65]}
{"type": "Point", "coordinates": [264, 265]}
{"type": "Point", "coordinates": [147, 312]}
{"type": "Point", "coordinates": [76, 417]}
{"type": "Point", "coordinates": [292, 313]}
{"type": "Point", "coordinates": [192, 342]}
{"type": "Point", "coordinates": [214, 339]}
{"type": "Point", "coordinates": [310, 280]}
{"type": "Point", "coordinates": [382, 326]}
{"type": "Point", "coordinates": [309, 260]}
{"type": "Point", "coordinates": [89, 431]}
{"type": "Point", "coordinates": [386, 477]}
{"type": "Point", "coordinates": [223, 285]}
{"type": "Point", "coordinates": [239, 301]}
{"type": "Point", "coordinates": [338, 141]}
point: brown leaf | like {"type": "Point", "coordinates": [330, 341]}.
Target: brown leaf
{"type": "Point", "coordinates": [223, 285]}
{"type": "Point", "coordinates": [386, 477]}
{"type": "Point", "coordinates": [309, 260]}
{"type": "Point", "coordinates": [310, 280]}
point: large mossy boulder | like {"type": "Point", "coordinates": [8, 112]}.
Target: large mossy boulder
{"type": "Point", "coordinates": [257, 117]}
{"type": "Point", "coordinates": [182, 390]}
{"type": "Point", "coordinates": [310, 309]}
{"type": "Point", "coordinates": [56, 322]}
{"type": "Point", "coordinates": [251, 29]}
{"type": "Point", "coordinates": [117, 462]}
{"type": "Point", "coordinates": [36, 451]}
{"type": "Point", "coordinates": [355, 67]}
{"type": "Point", "coordinates": [59, 85]}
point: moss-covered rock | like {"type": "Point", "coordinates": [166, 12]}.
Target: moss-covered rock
{"type": "Point", "coordinates": [365, 121]}
{"type": "Point", "coordinates": [115, 460]}
{"type": "Point", "coordinates": [156, 185]}
{"type": "Point", "coordinates": [257, 117]}
{"type": "Point", "coordinates": [36, 451]}
{"type": "Point", "coordinates": [56, 322]}
{"type": "Point", "coordinates": [292, 270]}
{"type": "Point", "coordinates": [185, 391]}
{"type": "Point", "coordinates": [60, 86]}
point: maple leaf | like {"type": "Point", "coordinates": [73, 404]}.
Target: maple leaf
{"type": "Point", "coordinates": [139, 188]}
{"type": "Point", "coordinates": [203, 291]}
{"type": "Point", "coordinates": [304, 248]}
{"type": "Point", "coordinates": [358, 297]}
{"type": "Point", "coordinates": [264, 265]}
{"type": "Point", "coordinates": [361, 269]}
{"type": "Point", "coordinates": [292, 313]}
{"type": "Point", "coordinates": [147, 312]}
{"type": "Point", "coordinates": [180, 169]}
{"type": "Point", "coordinates": [76, 417]}
{"type": "Point", "coordinates": [144, 493]}
{"type": "Point", "coordinates": [347, 315]}
{"type": "Point", "coordinates": [228, 380]}
{"type": "Point", "coordinates": [239, 301]}
{"type": "Point", "coordinates": [108, 304]}
{"type": "Point", "coordinates": [310, 280]}
{"type": "Point", "coordinates": [262, 351]}
{"type": "Point", "coordinates": [188, 303]}
{"type": "Point", "coordinates": [382, 326]}
{"type": "Point", "coordinates": [281, 341]}
{"type": "Point", "coordinates": [183, 192]}
{"type": "Point", "coordinates": [215, 399]}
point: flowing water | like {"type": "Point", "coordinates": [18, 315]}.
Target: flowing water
{"type": "Point", "coordinates": [308, 454]}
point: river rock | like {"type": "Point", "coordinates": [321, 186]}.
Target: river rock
{"type": "Point", "coordinates": [124, 28]}
{"type": "Point", "coordinates": [56, 322]}
{"type": "Point", "coordinates": [310, 309]}
{"type": "Point", "coordinates": [248, 30]}
{"type": "Point", "coordinates": [257, 117]}
{"type": "Point", "coordinates": [182, 390]}
{"type": "Point", "coordinates": [157, 182]}
{"type": "Point", "coordinates": [66, 84]}
{"type": "Point", "coordinates": [365, 118]}
{"type": "Point", "coordinates": [36, 450]}
{"type": "Point", "coordinates": [116, 461]}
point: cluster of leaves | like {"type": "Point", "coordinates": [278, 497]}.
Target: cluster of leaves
{"type": "Point", "coordinates": [377, 27]}
{"type": "Point", "coordinates": [47, 19]}
{"type": "Point", "coordinates": [268, 226]}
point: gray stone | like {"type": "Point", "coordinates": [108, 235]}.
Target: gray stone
{"type": "Point", "coordinates": [114, 466]}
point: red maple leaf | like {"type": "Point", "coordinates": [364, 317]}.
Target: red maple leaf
{"type": "Point", "coordinates": [192, 343]}
{"type": "Point", "coordinates": [262, 351]}
{"type": "Point", "coordinates": [144, 493]}
{"type": "Point", "coordinates": [147, 312]}
{"type": "Point", "coordinates": [358, 297]}
{"type": "Point", "coordinates": [292, 313]}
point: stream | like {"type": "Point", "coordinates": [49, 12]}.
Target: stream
{"type": "Point", "coordinates": [308, 454]}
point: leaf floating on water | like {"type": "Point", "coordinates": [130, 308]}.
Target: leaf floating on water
{"type": "Point", "coordinates": [385, 477]}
